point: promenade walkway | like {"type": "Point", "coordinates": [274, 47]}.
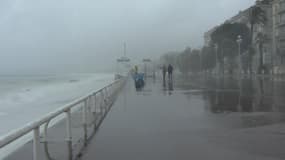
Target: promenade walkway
{"type": "Point", "coordinates": [174, 122]}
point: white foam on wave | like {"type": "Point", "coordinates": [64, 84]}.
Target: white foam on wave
{"type": "Point", "coordinates": [35, 98]}
{"type": "Point", "coordinates": [58, 89]}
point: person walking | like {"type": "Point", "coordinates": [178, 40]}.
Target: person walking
{"type": "Point", "coordinates": [170, 70]}
{"type": "Point", "coordinates": [164, 72]}
{"type": "Point", "coordinates": [136, 69]}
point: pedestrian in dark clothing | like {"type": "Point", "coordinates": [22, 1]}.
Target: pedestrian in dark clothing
{"type": "Point", "coordinates": [164, 70]}
{"type": "Point", "coordinates": [170, 70]}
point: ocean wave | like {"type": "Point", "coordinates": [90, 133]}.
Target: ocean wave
{"type": "Point", "coordinates": [37, 97]}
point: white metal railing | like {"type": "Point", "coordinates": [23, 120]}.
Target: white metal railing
{"type": "Point", "coordinates": [106, 97]}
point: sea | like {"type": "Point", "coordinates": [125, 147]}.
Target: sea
{"type": "Point", "coordinates": [26, 98]}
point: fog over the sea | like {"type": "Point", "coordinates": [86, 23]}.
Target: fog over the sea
{"type": "Point", "coordinates": [55, 36]}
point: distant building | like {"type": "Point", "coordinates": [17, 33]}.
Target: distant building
{"type": "Point", "coordinates": [278, 12]}
{"type": "Point", "coordinates": [241, 17]}
{"type": "Point", "coordinates": [267, 29]}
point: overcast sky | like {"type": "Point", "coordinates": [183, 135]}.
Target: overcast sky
{"type": "Point", "coordinates": [54, 36]}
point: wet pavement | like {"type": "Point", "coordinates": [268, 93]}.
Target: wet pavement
{"type": "Point", "coordinates": [195, 118]}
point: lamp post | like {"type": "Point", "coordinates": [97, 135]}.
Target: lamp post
{"type": "Point", "coordinates": [216, 80]}
{"type": "Point", "coordinates": [239, 41]}
{"type": "Point", "coordinates": [216, 58]}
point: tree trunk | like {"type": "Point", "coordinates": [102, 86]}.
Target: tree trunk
{"type": "Point", "coordinates": [222, 62]}
{"type": "Point", "coordinates": [251, 47]}
{"type": "Point", "coordinates": [251, 33]}
{"type": "Point", "coordinates": [260, 68]}
{"type": "Point", "coordinates": [250, 56]}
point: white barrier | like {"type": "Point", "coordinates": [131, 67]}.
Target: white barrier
{"type": "Point", "coordinates": [86, 103]}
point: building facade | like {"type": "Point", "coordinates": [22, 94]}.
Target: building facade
{"type": "Point", "coordinates": [269, 29]}
{"type": "Point", "coordinates": [278, 10]}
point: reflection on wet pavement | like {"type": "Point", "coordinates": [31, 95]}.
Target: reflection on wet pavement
{"type": "Point", "coordinates": [255, 101]}
{"type": "Point", "coordinates": [201, 118]}
{"type": "Point", "coordinates": [262, 96]}
{"type": "Point", "coordinates": [246, 95]}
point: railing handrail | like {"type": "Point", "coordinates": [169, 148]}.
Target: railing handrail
{"type": "Point", "coordinates": [14, 135]}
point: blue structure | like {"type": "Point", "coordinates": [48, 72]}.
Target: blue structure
{"type": "Point", "coordinates": [139, 80]}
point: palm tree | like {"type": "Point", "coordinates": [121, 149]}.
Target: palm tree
{"type": "Point", "coordinates": [257, 16]}
{"type": "Point", "coordinates": [261, 38]}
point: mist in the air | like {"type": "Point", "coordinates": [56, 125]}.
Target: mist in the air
{"type": "Point", "coordinates": [70, 36]}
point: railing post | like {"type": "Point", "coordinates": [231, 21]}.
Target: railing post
{"type": "Point", "coordinates": [107, 98]}
{"type": "Point", "coordinates": [85, 122]}
{"type": "Point", "coordinates": [69, 134]}
{"type": "Point", "coordinates": [107, 93]}
{"type": "Point", "coordinates": [89, 103]}
{"type": "Point", "coordinates": [111, 91]}
{"type": "Point", "coordinates": [36, 143]}
{"type": "Point", "coordinates": [94, 104]}
{"type": "Point", "coordinates": [94, 111]}
{"type": "Point", "coordinates": [102, 103]}
{"type": "Point", "coordinates": [45, 141]}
